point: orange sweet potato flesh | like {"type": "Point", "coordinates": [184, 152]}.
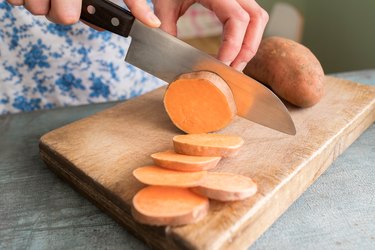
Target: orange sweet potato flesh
{"type": "Point", "coordinates": [152, 175]}
{"type": "Point", "coordinates": [172, 206]}
{"type": "Point", "coordinates": [208, 144]}
{"type": "Point", "coordinates": [200, 102]}
{"type": "Point", "coordinates": [290, 69]}
{"type": "Point", "coordinates": [226, 187]}
{"type": "Point", "coordinates": [172, 160]}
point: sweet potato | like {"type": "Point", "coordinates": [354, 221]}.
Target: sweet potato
{"type": "Point", "coordinates": [152, 175]}
{"type": "Point", "coordinates": [170, 159]}
{"type": "Point", "coordinates": [290, 69]}
{"type": "Point", "coordinates": [172, 206]}
{"type": "Point", "coordinates": [207, 144]}
{"type": "Point", "coordinates": [199, 102]}
{"type": "Point", "coordinates": [226, 187]}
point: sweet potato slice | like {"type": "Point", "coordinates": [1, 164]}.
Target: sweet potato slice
{"type": "Point", "coordinates": [200, 102]}
{"type": "Point", "coordinates": [172, 206]}
{"type": "Point", "coordinates": [170, 159]}
{"type": "Point", "coordinates": [152, 175]}
{"type": "Point", "coordinates": [207, 144]}
{"type": "Point", "coordinates": [226, 187]}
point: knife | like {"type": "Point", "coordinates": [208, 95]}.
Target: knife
{"type": "Point", "coordinates": [167, 57]}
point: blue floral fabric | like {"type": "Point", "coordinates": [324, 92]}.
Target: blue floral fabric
{"type": "Point", "coordinates": [44, 65]}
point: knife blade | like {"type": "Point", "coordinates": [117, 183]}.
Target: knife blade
{"type": "Point", "coordinates": [167, 57]}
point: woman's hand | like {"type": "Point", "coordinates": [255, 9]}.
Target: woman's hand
{"type": "Point", "coordinates": [243, 21]}
{"type": "Point", "coordinates": [68, 11]}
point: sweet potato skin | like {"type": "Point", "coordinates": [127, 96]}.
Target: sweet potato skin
{"type": "Point", "coordinates": [196, 144]}
{"type": "Point", "coordinates": [174, 164]}
{"type": "Point", "coordinates": [223, 186]}
{"type": "Point", "coordinates": [290, 69]}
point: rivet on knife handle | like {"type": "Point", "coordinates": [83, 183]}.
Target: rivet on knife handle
{"type": "Point", "coordinates": [108, 16]}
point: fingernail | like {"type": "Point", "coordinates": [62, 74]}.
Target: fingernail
{"type": "Point", "coordinates": [241, 66]}
{"type": "Point", "coordinates": [154, 19]}
{"type": "Point", "coordinates": [227, 63]}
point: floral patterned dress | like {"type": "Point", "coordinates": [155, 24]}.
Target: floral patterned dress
{"type": "Point", "coordinates": [44, 65]}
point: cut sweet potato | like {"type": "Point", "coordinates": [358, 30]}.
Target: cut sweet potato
{"type": "Point", "coordinates": [199, 102]}
{"type": "Point", "coordinates": [172, 206]}
{"type": "Point", "coordinates": [170, 159]}
{"type": "Point", "coordinates": [152, 175]}
{"type": "Point", "coordinates": [207, 144]}
{"type": "Point", "coordinates": [226, 187]}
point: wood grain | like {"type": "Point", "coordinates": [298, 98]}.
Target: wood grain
{"type": "Point", "coordinates": [97, 155]}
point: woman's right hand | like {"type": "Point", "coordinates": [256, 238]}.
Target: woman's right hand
{"type": "Point", "coordinates": [68, 11]}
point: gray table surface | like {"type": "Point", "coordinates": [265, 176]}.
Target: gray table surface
{"type": "Point", "coordinates": [40, 211]}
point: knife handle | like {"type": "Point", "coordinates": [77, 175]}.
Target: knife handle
{"type": "Point", "coordinates": [108, 16]}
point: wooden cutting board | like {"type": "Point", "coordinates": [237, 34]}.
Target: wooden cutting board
{"type": "Point", "coordinates": [98, 154]}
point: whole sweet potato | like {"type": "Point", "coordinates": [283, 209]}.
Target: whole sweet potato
{"type": "Point", "coordinates": [290, 69]}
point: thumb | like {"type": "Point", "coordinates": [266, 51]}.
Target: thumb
{"type": "Point", "coordinates": [143, 12]}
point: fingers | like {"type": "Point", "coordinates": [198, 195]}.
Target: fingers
{"type": "Point", "coordinates": [65, 12]}
{"type": "Point", "coordinates": [243, 24]}
{"type": "Point", "coordinates": [235, 21]}
{"type": "Point", "coordinates": [16, 2]}
{"type": "Point", "coordinates": [68, 11]}
{"type": "Point", "coordinates": [142, 12]}
{"type": "Point", "coordinates": [254, 33]}
{"type": "Point", "coordinates": [167, 11]}
{"type": "Point", "coordinates": [61, 12]}
{"type": "Point", "coordinates": [37, 7]}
